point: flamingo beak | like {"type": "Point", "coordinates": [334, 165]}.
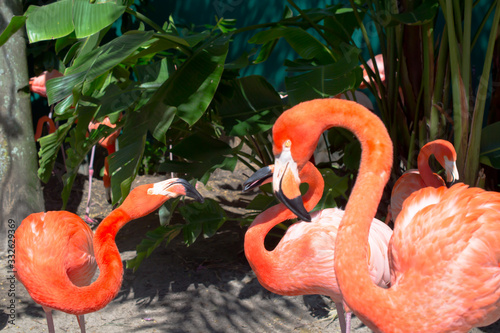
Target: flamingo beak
{"type": "Point", "coordinates": [174, 187]}
{"type": "Point", "coordinates": [190, 190]}
{"type": "Point", "coordinates": [451, 171]}
{"type": "Point", "coordinates": [286, 184]}
{"type": "Point", "coordinates": [260, 177]}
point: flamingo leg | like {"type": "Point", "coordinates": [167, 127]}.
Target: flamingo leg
{"type": "Point", "coordinates": [107, 180]}
{"type": "Point", "coordinates": [342, 318]}
{"type": "Point", "coordinates": [348, 321]}
{"type": "Point", "coordinates": [81, 323]}
{"type": "Point", "coordinates": [91, 173]}
{"type": "Point", "coordinates": [50, 321]}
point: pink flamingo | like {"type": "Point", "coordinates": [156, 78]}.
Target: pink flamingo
{"type": "Point", "coordinates": [445, 249]}
{"type": "Point", "coordinates": [414, 180]}
{"type": "Point", "coordinates": [301, 264]}
{"type": "Point", "coordinates": [109, 143]}
{"type": "Point", "coordinates": [55, 258]}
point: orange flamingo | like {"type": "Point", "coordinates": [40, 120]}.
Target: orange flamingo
{"type": "Point", "coordinates": [413, 180]}
{"type": "Point", "coordinates": [55, 256]}
{"type": "Point", "coordinates": [445, 249]}
{"type": "Point", "coordinates": [301, 264]}
{"type": "Point", "coordinates": [37, 83]}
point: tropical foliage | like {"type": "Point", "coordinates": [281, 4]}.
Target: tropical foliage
{"type": "Point", "coordinates": [173, 89]}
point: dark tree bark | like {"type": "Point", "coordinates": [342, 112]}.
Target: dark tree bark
{"type": "Point", "coordinates": [20, 191]}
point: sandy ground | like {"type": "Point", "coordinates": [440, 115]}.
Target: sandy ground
{"type": "Point", "coordinates": [207, 287]}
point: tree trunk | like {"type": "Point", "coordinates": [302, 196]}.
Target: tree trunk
{"type": "Point", "coordinates": [20, 191]}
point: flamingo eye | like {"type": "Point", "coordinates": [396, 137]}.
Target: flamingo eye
{"type": "Point", "coordinates": [287, 144]}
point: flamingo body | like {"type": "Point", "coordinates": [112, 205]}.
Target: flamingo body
{"type": "Point", "coordinates": [57, 254]}
{"type": "Point", "coordinates": [75, 259]}
{"type": "Point", "coordinates": [303, 258]}
{"type": "Point", "coordinates": [454, 265]}
{"type": "Point", "coordinates": [301, 263]}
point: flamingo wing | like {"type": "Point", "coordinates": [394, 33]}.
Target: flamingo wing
{"type": "Point", "coordinates": [52, 247]}
{"type": "Point", "coordinates": [409, 182]}
{"type": "Point", "coordinates": [313, 242]}
{"type": "Point", "coordinates": [448, 242]}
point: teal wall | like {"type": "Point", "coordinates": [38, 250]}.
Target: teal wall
{"type": "Point", "coordinates": [246, 12]}
{"type": "Point", "coordinates": [251, 12]}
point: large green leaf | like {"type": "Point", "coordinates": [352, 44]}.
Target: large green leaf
{"type": "Point", "coordinates": [246, 105]}
{"type": "Point", "coordinates": [490, 145]}
{"type": "Point", "coordinates": [341, 25]}
{"type": "Point", "coordinates": [124, 164]}
{"type": "Point", "coordinates": [207, 217]}
{"type": "Point", "coordinates": [325, 81]}
{"type": "Point", "coordinates": [200, 147]}
{"type": "Point", "coordinates": [79, 147]}
{"type": "Point", "coordinates": [49, 148]}
{"type": "Point", "coordinates": [307, 46]}
{"type": "Point", "coordinates": [335, 187]}
{"type": "Point", "coordinates": [95, 63]}
{"type": "Point", "coordinates": [191, 88]}
{"type": "Point", "coordinates": [423, 14]}
{"type": "Point", "coordinates": [90, 18]}
{"type": "Point", "coordinates": [61, 18]}
{"type": "Point", "coordinates": [16, 23]}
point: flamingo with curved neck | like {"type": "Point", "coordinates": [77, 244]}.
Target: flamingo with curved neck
{"type": "Point", "coordinates": [301, 264]}
{"type": "Point", "coordinates": [413, 180]}
{"type": "Point", "coordinates": [445, 249]}
{"type": "Point", "coordinates": [55, 252]}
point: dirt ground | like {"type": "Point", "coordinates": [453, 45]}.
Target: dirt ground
{"type": "Point", "coordinates": [207, 287]}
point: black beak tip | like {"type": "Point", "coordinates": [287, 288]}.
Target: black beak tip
{"type": "Point", "coordinates": [191, 191]}
{"type": "Point", "coordinates": [257, 179]}
{"type": "Point", "coordinates": [295, 205]}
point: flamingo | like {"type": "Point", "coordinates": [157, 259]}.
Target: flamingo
{"type": "Point", "coordinates": [37, 83]}
{"type": "Point", "coordinates": [413, 180]}
{"type": "Point", "coordinates": [445, 249]}
{"type": "Point", "coordinates": [55, 258]}
{"type": "Point", "coordinates": [301, 264]}
{"type": "Point", "coordinates": [109, 143]}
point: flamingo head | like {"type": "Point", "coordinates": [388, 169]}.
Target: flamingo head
{"type": "Point", "coordinates": [445, 154]}
{"type": "Point", "coordinates": [145, 199]}
{"type": "Point", "coordinates": [295, 136]}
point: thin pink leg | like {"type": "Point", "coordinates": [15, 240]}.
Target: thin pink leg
{"type": "Point", "coordinates": [50, 321]}
{"type": "Point", "coordinates": [81, 322]}
{"type": "Point", "coordinates": [91, 173]}
{"type": "Point", "coordinates": [340, 315]}
{"type": "Point", "coordinates": [348, 321]}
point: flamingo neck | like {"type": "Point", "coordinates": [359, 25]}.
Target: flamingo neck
{"type": "Point", "coordinates": [351, 249]}
{"type": "Point", "coordinates": [262, 261]}
{"type": "Point", "coordinates": [430, 179]}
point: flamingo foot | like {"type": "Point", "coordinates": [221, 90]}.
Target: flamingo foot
{"type": "Point", "coordinates": [90, 221]}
